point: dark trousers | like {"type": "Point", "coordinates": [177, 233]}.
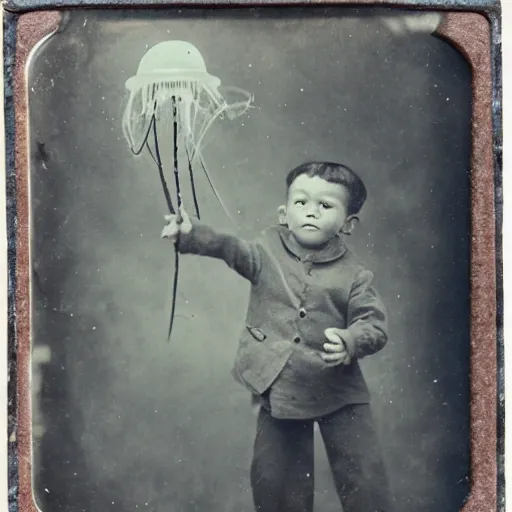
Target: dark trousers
{"type": "Point", "coordinates": [282, 471]}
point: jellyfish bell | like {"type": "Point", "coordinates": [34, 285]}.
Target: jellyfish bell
{"type": "Point", "coordinates": [173, 84]}
{"type": "Point", "coordinates": [172, 61]}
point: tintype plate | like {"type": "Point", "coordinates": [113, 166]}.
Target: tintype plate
{"type": "Point", "coordinates": [109, 412]}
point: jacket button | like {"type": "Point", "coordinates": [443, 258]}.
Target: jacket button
{"type": "Point", "coordinates": [302, 312]}
{"type": "Point", "coordinates": [296, 339]}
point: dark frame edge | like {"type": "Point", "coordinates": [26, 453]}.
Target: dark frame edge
{"type": "Point", "coordinates": [492, 12]}
{"type": "Point", "coordinates": [9, 27]}
{"type": "Point", "coordinates": [497, 121]}
{"type": "Point", "coordinates": [486, 7]}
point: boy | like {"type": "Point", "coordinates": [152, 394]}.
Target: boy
{"type": "Point", "coordinates": [312, 314]}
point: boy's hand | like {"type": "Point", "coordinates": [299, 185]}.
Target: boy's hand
{"type": "Point", "coordinates": [335, 351]}
{"type": "Point", "coordinates": [176, 224]}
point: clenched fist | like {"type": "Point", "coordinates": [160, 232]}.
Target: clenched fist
{"type": "Point", "coordinates": [176, 224]}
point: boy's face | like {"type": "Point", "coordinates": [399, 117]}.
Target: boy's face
{"type": "Point", "coordinates": [316, 211]}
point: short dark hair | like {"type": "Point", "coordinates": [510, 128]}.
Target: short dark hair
{"type": "Point", "coordinates": [334, 173]}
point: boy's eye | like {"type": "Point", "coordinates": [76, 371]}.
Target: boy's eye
{"type": "Point", "coordinates": [300, 202]}
{"type": "Point", "coordinates": [325, 205]}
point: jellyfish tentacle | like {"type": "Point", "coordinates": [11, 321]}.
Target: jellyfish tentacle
{"type": "Point", "coordinates": [194, 101]}
{"type": "Point", "coordinates": [204, 129]}
{"type": "Point", "coordinates": [192, 183]}
{"type": "Point", "coordinates": [238, 108]}
{"type": "Point", "coordinates": [214, 189]}
{"type": "Point", "coordinates": [136, 147]}
{"type": "Point", "coordinates": [213, 109]}
{"type": "Point", "coordinates": [126, 124]}
{"type": "Point", "coordinates": [178, 193]}
{"type": "Point", "coordinates": [158, 161]}
{"type": "Point", "coordinates": [174, 292]}
{"type": "Point", "coordinates": [175, 144]}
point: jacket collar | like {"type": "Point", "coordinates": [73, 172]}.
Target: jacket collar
{"type": "Point", "coordinates": [334, 250]}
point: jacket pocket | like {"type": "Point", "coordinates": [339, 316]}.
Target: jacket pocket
{"type": "Point", "coordinates": [256, 333]}
{"type": "Point", "coordinates": [258, 363]}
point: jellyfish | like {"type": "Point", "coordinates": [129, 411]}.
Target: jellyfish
{"type": "Point", "coordinates": [172, 97]}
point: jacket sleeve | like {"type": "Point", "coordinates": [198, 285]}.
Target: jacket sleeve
{"type": "Point", "coordinates": [367, 329]}
{"type": "Point", "coordinates": [242, 256]}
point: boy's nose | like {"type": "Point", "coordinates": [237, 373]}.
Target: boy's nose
{"type": "Point", "coordinates": [313, 212]}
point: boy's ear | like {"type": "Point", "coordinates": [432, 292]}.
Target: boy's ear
{"type": "Point", "coordinates": [282, 215]}
{"type": "Point", "coordinates": [349, 224]}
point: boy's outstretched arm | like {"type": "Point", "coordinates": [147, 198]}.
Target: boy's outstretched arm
{"type": "Point", "coordinates": [194, 237]}
{"type": "Point", "coordinates": [367, 328]}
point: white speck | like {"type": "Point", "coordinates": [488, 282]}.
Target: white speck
{"type": "Point", "coordinates": [447, 99]}
{"type": "Point", "coordinates": [301, 89]}
{"type": "Point", "coordinates": [47, 490]}
{"type": "Point", "coordinates": [113, 503]}
{"type": "Point", "coordinates": [435, 85]}
{"type": "Point", "coordinates": [103, 97]}
{"type": "Point", "coordinates": [62, 367]}
{"type": "Point", "coordinates": [398, 295]}
{"type": "Point", "coordinates": [250, 65]}
{"type": "Point", "coordinates": [85, 23]}
{"type": "Point", "coordinates": [238, 211]}
{"type": "Point", "coordinates": [302, 122]}
{"type": "Point", "coordinates": [32, 89]}
{"type": "Point", "coordinates": [93, 327]}
{"type": "Point", "coordinates": [435, 380]}
{"type": "Point", "coordinates": [308, 475]}
{"type": "Point", "coordinates": [391, 401]}
{"type": "Point", "coordinates": [74, 474]}
{"type": "Point", "coordinates": [71, 314]}
{"type": "Point", "coordinates": [52, 82]}
{"type": "Point", "coordinates": [156, 411]}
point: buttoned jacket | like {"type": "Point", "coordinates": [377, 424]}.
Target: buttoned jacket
{"type": "Point", "coordinates": [295, 296]}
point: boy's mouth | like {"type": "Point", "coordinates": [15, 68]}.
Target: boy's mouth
{"type": "Point", "coordinates": [311, 227]}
